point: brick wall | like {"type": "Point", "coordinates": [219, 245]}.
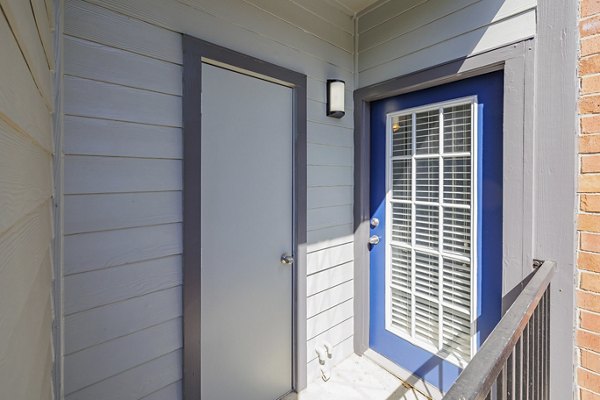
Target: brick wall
{"type": "Point", "coordinates": [588, 260]}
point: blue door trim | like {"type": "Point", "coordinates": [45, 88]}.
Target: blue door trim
{"type": "Point", "coordinates": [489, 91]}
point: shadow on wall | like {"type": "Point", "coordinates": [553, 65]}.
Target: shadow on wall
{"type": "Point", "coordinates": [414, 38]}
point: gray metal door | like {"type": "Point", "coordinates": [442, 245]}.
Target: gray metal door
{"type": "Point", "coordinates": [246, 310]}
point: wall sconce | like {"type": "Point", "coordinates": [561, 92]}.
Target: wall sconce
{"type": "Point", "coordinates": [335, 98]}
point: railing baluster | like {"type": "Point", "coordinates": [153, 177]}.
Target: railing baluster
{"type": "Point", "coordinates": [510, 376]}
{"type": "Point", "coordinates": [526, 363]}
{"type": "Point", "coordinates": [519, 369]}
{"type": "Point", "coordinates": [513, 362]}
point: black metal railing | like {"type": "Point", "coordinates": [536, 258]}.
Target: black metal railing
{"type": "Point", "coordinates": [513, 363]}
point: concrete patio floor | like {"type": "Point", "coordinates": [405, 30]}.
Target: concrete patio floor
{"type": "Point", "coordinates": [359, 378]}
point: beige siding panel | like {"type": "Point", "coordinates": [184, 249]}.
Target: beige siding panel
{"type": "Point", "coordinates": [96, 363]}
{"type": "Point", "coordinates": [25, 175]}
{"type": "Point", "coordinates": [25, 290]}
{"type": "Point", "coordinates": [120, 103]}
{"type": "Point", "coordinates": [90, 251]}
{"type": "Point", "coordinates": [502, 33]}
{"type": "Point", "coordinates": [137, 382]}
{"type": "Point", "coordinates": [98, 288]}
{"type": "Point", "coordinates": [97, 212]}
{"type": "Point", "coordinates": [24, 248]}
{"type": "Point", "coordinates": [91, 60]}
{"type": "Point", "coordinates": [114, 320]}
{"type": "Point", "coordinates": [22, 23]}
{"type": "Point", "coordinates": [50, 12]}
{"type": "Point", "coordinates": [25, 362]}
{"type": "Point", "coordinates": [470, 18]}
{"type": "Point", "coordinates": [21, 103]}
{"type": "Point", "coordinates": [45, 31]}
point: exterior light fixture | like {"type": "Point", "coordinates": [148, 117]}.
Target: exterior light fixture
{"type": "Point", "coordinates": [335, 98]}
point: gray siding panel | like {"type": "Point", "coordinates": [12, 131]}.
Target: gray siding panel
{"type": "Point", "coordinates": [102, 137]}
{"type": "Point", "coordinates": [110, 101]}
{"type": "Point", "coordinates": [104, 323]}
{"type": "Point", "coordinates": [106, 286]}
{"type": "Point", "coordinates": [395, 42]}
{"type": "Point", "coordinates": [97, 363]}
{"type": "Point", "coordinates": [90, 251]}
{"type": "Point", "coordinates": [91, 60]}
{"type": "Point", "coordinates": [120, 175]}
{"type": "Point", "coordinates": [99, 212]}
{"type": "Point", "coordinates": [137, 382]}
{"type": "Point", "coordinates": [123, 147]}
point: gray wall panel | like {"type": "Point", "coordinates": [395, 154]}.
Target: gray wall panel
{"type": "Point", "coordinates": [122, 141]}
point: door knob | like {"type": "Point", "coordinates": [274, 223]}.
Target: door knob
{"type": "Point", "coordinates": [286, 259]}
{"type": "Point", "coordinates": [374, 240]}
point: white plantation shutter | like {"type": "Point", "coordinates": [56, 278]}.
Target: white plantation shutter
{"type": "Point", "coordinates": [430, 230]}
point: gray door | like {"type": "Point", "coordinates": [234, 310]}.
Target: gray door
{"type": "Point", "coordinates": [246, 226]}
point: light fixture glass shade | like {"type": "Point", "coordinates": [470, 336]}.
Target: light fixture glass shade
{"type": "Point", "coordinates": [335, 98]}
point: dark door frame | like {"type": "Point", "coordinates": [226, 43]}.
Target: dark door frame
{"type": "Point", "coordinates": [195, 53]}
{"type": "Point", "coordinates": [516, 60]}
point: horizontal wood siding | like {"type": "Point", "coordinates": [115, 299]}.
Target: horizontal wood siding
{"type": "Point", "coordinates": [123, 156]}
{"type": "Point", "coordinates": [26, 98]}
{"type": "Point", "coordinates": [400, 37]}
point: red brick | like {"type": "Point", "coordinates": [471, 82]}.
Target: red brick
{"type": "Point", "coordinates": [590, 163]}
{"type": "Point", "coordinates": [589, 7]}
{"type": "Point", "coordinates": [588, 301]}
{"type": "Point", "coordinates": [590, 282]}
{"type": "Point", "coordinates": [588, 222]}
{"type": "Point", "coordinates": [588, 380]}
{"type": "Point", "coordinates": [590, 26]}
{"type": "Point", "coordinates": [590, 360]}
{"type": "Point", "coordinates": [590, 242]}
{"type": "Point", "coordinates": [590, 203]}
{"type": "Point", "coordinates": [590, 45]}
{"type": "Point", "coordinates": [590, 125]}
{"type": "Point", "coordinates": [589, 104]}
{"type": "Point", "coordinates": [588, 340]}
{"type": "Point", "coordinates": [589, 65]}
{"type": "Point", "coordinates": [590, 84]}
{"type": "Point", "coordinates": [586, 395]}
{"type": "Point", "coordinates": [589, 144]}
{"type": "Point", "coordinates": [588, 261]}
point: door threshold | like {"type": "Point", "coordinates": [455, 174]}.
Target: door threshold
{"type": "Point", "coordinates": [409, 379]}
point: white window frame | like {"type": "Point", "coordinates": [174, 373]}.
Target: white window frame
{"type": "Point", "coordinates": [474, 231]}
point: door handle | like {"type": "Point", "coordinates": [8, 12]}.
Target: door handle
{"type": "Point", "coordinates": [286, 259]}
{"type": "Point", "coordinates": [374, 240]}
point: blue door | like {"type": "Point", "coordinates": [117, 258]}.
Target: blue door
{"type": "Point", "coordinates": [436, 208]}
